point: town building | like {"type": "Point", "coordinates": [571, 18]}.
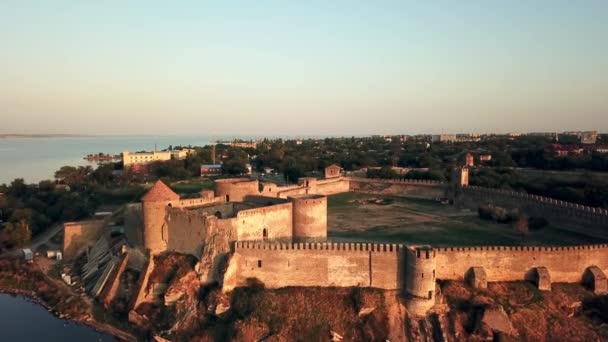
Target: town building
{"type": "Point", "coordinates": [332, 171]}
{"type": "Point", "coordinates": [443, 138]}
{"type": "Point", "coordinates": [601, 149]}
{"type": "Point", "coordinates": [142, 158]}
{"type": "Point", "coordinates": [485, 157]}
{"type": "Point", "coordinates": [564, 150]}
{"type": "Point", "coordinates": [208, 170]}
{"type": "Point", "coordinates": [586, 137]}
{"type": "Point", "coordinates": [469, 160]}
{"type": "Point", "coordinates": [240, 144]}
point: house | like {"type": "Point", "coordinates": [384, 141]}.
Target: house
{"type": "Point", "coordinates": [332, 171]}
{"type": "Point", "coordinates": [564, 150]}
{"type": "Point", "coordinates": [601, 149]}
{"type": "Point", "coordinates": [443, 138]}
{"type": "Point", "coordinates": [28, 255]}
{"type": "Point", "coordinates": [141, 158]}
{"type": "Point", "coordinates": [485, 157]}
{"type": "Point", "coordinates": [208, 170]}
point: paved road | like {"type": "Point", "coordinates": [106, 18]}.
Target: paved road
{"type": "Point", "coordinates": [46, 236]}
{"type": "Point", "coordinates": [36, 243]}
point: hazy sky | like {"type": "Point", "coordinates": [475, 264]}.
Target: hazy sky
{"type": "Point", "coordinates": [302, 67]}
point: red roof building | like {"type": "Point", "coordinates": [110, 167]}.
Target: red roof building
{"type": "Point", "coordinates": [564, 150]}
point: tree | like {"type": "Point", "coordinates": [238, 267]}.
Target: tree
{"type": "Point", "coordinates": [18, 188]}
{"type": "Point", "coordinates": [73, 176]}
{"type": "Point", "coordinates": [19, 233]}
{"type": "Point", "coordinates": [292, 173]}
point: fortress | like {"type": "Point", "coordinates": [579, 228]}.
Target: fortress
{"type": "Point", "coordinates": [278, 234]}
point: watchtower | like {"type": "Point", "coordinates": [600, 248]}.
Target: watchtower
{"type": "Point", "coordinates": [155, 203]}
{"type": "Point", "coordinates": [420, 279]}
{"type": "Point", "coordinates": [309, 218]}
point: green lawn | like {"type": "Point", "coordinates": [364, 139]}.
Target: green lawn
{"type": "Point", "coordinates": [414, 221]}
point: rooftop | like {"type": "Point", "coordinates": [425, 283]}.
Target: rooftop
{"type": "Point", "coordinates": [160, 192]}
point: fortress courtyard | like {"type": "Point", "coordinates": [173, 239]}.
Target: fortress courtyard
{"type": "Point", "coordinates": [357, 217]}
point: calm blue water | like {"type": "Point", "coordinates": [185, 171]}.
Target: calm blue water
{"type": "Point", "coordinates": [35, 159]}
{"type": "Point", "coordinates": [22, 320]}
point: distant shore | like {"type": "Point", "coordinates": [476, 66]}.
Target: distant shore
{"type": "Point", "coordinates": [13, 136]}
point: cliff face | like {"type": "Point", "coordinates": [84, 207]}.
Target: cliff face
{"type": "Point", "coordinates": [509, 311]}
{"type": "Point", "coordinates": [519, 311]}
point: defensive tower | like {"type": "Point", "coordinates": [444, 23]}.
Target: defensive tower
{"type": "Point", "coordinates": [155, 202]}
{"type": "Point", "coordinates": [309, 217]}
{"type": "Point", "coordinates": [420, 279]}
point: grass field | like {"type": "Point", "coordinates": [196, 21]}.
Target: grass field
{"type": "Point", "coordinates": [192, 186]}
{"type": "Point", "coordinates": [414, 221]}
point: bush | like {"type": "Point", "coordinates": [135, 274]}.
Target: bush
{"type": "Point", "coordinates": [536, 222]}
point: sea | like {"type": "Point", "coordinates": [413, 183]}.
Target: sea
{"type": "Point", "coordinates": [24, 320]}
{"type": "Point", "coordinates": [36, 159]}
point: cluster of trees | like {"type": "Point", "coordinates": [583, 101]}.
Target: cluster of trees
{"type": "Point", "coordinates": [28, 209]}
{"type": "Point", "coordinates": [587, 189]}
{"type": "Point", "coordinates": [520, 222]}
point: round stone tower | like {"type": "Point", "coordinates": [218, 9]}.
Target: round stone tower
{"type": "Point", "coordinates": [235, 189]}
{"type": "Point", "coordinates": [309, 218]}
{"type": "Point", "coordinates": [420, 280]}
{"type": "Point", "coordinates": [155, 203]}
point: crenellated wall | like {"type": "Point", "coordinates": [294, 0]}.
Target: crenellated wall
{"type": "Point", "coordinates": [565, 264]}
{"type": "Point", "coordinates": [413, 269]}
{"type": "Point", "coordinates": [315, 264]}
{"type": "Point", "coordinates": [593, 221]}
{"type": "Point", "coordinates": [424, 189]}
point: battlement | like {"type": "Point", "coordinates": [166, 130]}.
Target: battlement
{"type": "Point", "coordinates": [548, 201]}
{"type": "Point", "coordinates": [235, 181]}
{"type": "Point", "coordinates": [328, 246]}
{"type": "Point", "coordinates": [194, 202]}
{"type": "Point", "coordinates": [395, 181]}
{"type": "Point", "coordinates": [308, 199]}
{"type": "Point", "coordinates": [264, 210]}
{"type": "Point", "coordinates": [521, 248]}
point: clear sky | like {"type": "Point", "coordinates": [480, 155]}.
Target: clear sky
{"type": "Point", "coordinates": [302, 67]}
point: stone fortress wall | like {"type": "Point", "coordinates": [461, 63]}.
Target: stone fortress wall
{"type": "Point", "coordinates": [414, 270]}
{"type": "Point", "coordinates": [594, 220]}
{"type": "Point", "coordinates": [77, 235]}
{"type": "Point", "coordinates": [315, 264]}
{"type": "Point", "coordinates": [423, 189]}
{"type": "Point", "coordinates": [258, 229]}
{"type": "Point", "coordinates": [565, 263]}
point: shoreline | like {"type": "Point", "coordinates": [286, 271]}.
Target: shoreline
{"type": "Point", "coordinates": [87, 321]}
